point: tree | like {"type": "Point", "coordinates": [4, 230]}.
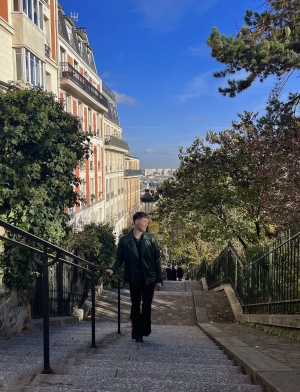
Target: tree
{"type": "Point", "coordinates": [218, 189]}
{"type": "Point", "coordinates": [40, 146]}
{"type": "Point", "coordinates": [182, 237]}
{"type": "Point", "coordinates": [267, 45]}
{"type": "Point", "coordinates": [95, 242]}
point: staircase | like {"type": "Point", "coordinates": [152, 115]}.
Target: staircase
{"type": "Point", "coordinates": [173, 358]}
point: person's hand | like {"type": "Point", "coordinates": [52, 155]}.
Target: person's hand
{"type": "Point", "coordinates": [109, 272]}
{"type": "Point", "coordinates": [158, 287]}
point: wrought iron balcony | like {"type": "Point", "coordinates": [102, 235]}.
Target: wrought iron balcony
{"type": "Point", "coordinates": [67, 71]}
{"type": "Point", "coordinates": [116, 142]}
{"type": "Point", "coordinates": [133, 173]}
{"type": "Point", "coordinates": [108, 91]}
{"type": "Point", "coordinates": [47, 51]}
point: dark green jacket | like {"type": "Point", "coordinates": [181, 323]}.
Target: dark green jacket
{"type": "Point", "coordinates": [127, 253]}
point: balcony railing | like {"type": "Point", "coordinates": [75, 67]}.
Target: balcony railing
{"type": "Point", "coordinates": [116, 142]}
{"type": "Point", "coordinates": [108, 91]}
{"type": "Point", "coordinates": [67, 71]}
{"type": "Point", "coordinates": [133, 173]}
{"type": "Point", "coordinates": [99, 165]}
{"type": "Point", "coordinates": [47, 51]}
{"type": "Point", "coordinates": [91, 165]}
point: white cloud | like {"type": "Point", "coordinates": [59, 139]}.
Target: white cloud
{"type": "Point", "coordinates": [196, 87]}
{"type": "Point", "coordinates": [149, 151]}
{"type": "Point", "coordinates": [164, 15]}
{"type": "Point", "coordinates": [123, 99]}
{"type": "Point", "coordinates": [105, 75]}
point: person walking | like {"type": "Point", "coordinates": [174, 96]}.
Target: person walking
{"type": "Point", "coordinates": [139, 252]}
{"type": "Point", "coordinates": [168, 271]}
{"type": "Point", "coordinates": [173, 273]}
{"type": "Point", "coordinates": [179, 273]}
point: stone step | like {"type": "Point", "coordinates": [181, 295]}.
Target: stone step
{"type": "Point", "coordinates": [226, 368]}
{"type": "Point", "coordinates": [90, 383]}
{"type": "Point", "coordinates": [154, 359]}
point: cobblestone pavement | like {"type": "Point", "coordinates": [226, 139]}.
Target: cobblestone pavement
{"type": "Point", "coordinates": [218, 307]}
{"type": "Point", "coordinates": [170, 309]}
{"type": "Point", "coordinates": [282, 349]}
{"type": "Point", "coordinates": [170, 285]}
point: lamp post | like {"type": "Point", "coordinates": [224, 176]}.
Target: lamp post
{"type": "Point", "coordinates": [160, 235]}
{"type": "Point", "coordinates": [147, 201]}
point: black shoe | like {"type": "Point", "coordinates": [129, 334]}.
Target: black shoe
{"type": "Point", "coordinates": [139, 339]}
{"type": "Point", "coordinates": [134, 335]}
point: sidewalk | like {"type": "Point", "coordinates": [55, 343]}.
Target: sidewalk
{"type": "Point", "coordinates": [272, 362]}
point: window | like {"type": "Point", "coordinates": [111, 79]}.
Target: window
{"type": "Point", "coordinates": [19, 64]}
{"type": "Point", "coordinates": [79, 109]}
{"type": "Point", "coordinates": [62, 55]}
{"type": "Point", "coordinates": [75, 65]}
{"type": "Point", "coordinates": [16, 4]}
{"type": "Point", "coordinates": [33, 9]}
{"type": "Point", "coordinates": [34, 68]}
{"type": "Point", "coordinates": [41, 18]}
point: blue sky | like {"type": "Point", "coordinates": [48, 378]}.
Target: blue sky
{"type": "Point", "coordinates": [153, 53]}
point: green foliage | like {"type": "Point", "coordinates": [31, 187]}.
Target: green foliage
{"type": "Point", "coordinates": [216, 188]}
{"type": "Point", "coordinates": [127, 230]}
{"type": "Point", "coordinates": [96, 243]}
{"type": "Point", "coordinates": [267, 45]}
{"type": "Point", "coordinates": [40, 146]}
{"type": "Point", "coordinates": [273, 331]}
{"type": "Point", "coordinates": [182, 237]}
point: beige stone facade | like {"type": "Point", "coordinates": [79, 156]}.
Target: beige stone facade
{"type": "Point", "coordinates": [41, 45]}
{"type": "Point", "coordinates": [132, 188]}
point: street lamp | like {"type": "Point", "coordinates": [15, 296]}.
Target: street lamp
{"type": "Point", "coordinates": [147, 201]}
{"type": "Point", "coordinates": [160, 235]}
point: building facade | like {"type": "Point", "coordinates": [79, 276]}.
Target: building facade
{"type": "Point", "coordinates": [132, 187]}
{"type": "Point", "coordinates": [42, 46]}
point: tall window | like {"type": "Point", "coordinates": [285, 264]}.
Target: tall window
{"type": "Point", "coordinates": [19, 64]}
{"type": "Point", "coordinates": [33, 9]}
{"type": "Point", "coordinates": [34, 68]}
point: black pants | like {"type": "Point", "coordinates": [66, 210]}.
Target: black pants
{"type": "Point", "coordinates": [141, 323]}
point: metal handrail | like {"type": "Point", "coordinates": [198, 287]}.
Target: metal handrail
{"type": "Point", "coordinates": [95, 272]}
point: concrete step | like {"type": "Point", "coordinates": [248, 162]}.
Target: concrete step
{"type": "Point", "coordinates": [206, 374]}
{"type": "Point", "coordinates": [90, 383]}
{"type": "Point", "coordinates": [154, 359]}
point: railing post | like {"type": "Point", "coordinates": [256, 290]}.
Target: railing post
{"type": "Point", "coordinates": [93, 311]}
{"type": "Point", "coordinates": [119, 307]}
{"type": "Point", "coordinates": [47, 369]}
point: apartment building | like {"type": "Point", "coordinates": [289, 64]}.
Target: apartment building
{"type": "Point", "coordinates": [41, 45]}
{"type": "Point", "coordinates": [28, 48]}
{"type": "Point", "coordinates": [80, 93]}
{"type": "Point", "coordinates": [132, 187]}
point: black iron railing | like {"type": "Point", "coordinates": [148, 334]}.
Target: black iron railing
{"type": "Point", "coordinates": [133, 173]}
{"type": "Point", "coordinates": [40, 254]}
{"type": "Point", "coordinates": [269, 283]}
{"type": "Point", "coordinates": [67, 71]}
{"type": "Point", "coordinates": [47, 51]}
{"type": "Point", "coordinates": [108, 91]}
{"type": "Point", "coordinates": [116, 142]}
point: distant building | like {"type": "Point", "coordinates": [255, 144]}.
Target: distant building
{"type": "Point", "coordinates": [132, 187]}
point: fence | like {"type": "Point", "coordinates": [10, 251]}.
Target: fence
{"type": "Point", "coordinates": [268, 283]}
{"type": "Point", "coordinates": [20, 238]}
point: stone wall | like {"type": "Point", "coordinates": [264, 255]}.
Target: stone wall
{"type": "Point", "coordinates": [15, 312]}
